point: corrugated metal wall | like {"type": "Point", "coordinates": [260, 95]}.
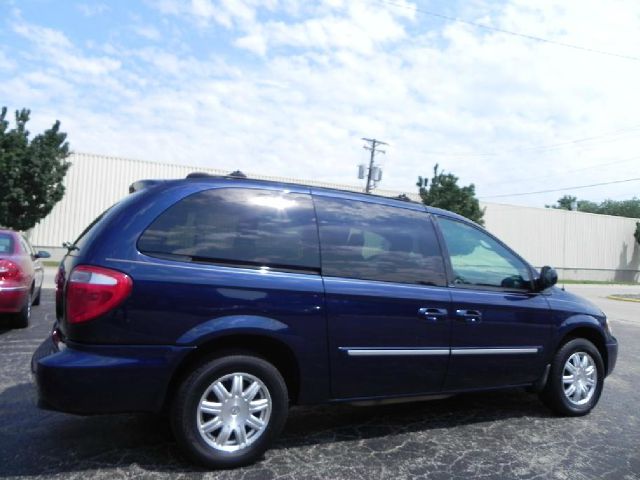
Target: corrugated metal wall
{"type": "Point", "coordinates": [581, 245]}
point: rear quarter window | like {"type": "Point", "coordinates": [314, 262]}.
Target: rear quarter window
{"type": "Point", "coordinates": [250, 227]}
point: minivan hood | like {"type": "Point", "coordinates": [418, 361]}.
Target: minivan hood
{"type": "Point", "coordinates": [561, 299]}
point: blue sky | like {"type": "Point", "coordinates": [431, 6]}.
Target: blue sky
{"type": "Point", "coordinates": [286, 87]}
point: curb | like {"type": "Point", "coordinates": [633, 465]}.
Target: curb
{"type": "Point", "coordinates": [623, 299]}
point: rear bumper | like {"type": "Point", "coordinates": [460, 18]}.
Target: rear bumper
{"type": "Point", "coordinates": [104, 379]}
{"type": "Point", "coordinates": [612, 355]}
{"type": "Point", "coordinates": [13, 299]}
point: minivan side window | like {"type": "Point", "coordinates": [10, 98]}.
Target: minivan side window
{"type": "Point", "coordinates": [370, 241]}
{"type": "Point", "coordinates": [479, 260]}
{"type": "Point", "coordinates": [243, 226]}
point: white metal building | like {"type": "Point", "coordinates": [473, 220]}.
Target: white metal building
{"type": "Point", "coordinates": [579, 245]}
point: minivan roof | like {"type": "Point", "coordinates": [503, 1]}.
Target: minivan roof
{"type": "Point", "coordinates": [238, 177]}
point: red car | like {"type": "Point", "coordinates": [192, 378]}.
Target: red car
{"type": "Point", "coordinates": [21, 275]}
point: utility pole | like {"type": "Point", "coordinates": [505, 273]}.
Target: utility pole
{"type": "Point", "coordinates": [374, 174]}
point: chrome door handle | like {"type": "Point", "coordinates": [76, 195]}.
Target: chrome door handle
{"type": "Point", "coordinates": [469, 316]}
{"type": "Point", "coordinates": [432, 314]}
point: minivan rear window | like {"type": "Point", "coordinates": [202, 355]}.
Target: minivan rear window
{"type": "Point", "coordinates": [250, 227]}
{"type": "Point", "coordinates": [371, 241]}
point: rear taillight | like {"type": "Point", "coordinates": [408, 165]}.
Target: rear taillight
{"type": "Point", "coordinates": [93, 291]}
{"type": "Point", "coordinates": [10, 271]}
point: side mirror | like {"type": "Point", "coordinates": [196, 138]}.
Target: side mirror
{"type": "Point", "coordinates": [43, 254]}
{"type": "Point", "coordinates": [548, 278]}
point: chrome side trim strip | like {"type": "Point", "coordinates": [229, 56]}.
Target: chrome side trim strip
{"type": "Point", "coordinates": [392, 352]}
{"type": "Point", "coordinates": [494, 351]}
{"type": "Point", "coordinates": [13, 289]}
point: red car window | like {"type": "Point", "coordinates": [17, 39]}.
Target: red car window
{"type": "Point", "coordinates": [6, 244]}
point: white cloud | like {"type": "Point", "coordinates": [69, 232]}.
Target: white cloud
{"type": "Point", "coordinates": [254, 42]}
{"type": "Point", "coordinates": [226, 13]}
{"type": "Point", "coordinates": [327, 73]}
{"type": "Point", "coordinates": [55, 47]}
{"type": "Point", "coordinates": [92, 9]}
{"type": "Point", "coordinates": [6, 63]}
{"type": "Point", "coordinates": [147, 31]}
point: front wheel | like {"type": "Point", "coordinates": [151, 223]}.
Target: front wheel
{"type": "Point", "coordinates": [36, 300]}
{"type": "Point", "coordinates": [227, 412]}
{"type": "Point", "coordinates": [576, 379]}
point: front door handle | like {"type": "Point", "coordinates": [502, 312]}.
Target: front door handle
{"type": "Point", "coordinates": [432, 314]}
{"type": "Point", "coordinates": [469, 316]}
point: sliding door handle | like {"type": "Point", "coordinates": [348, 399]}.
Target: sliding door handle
{"type": "Point", "coordinates": [432, 314]}
{"type": "Point", "coordinates": [469, 316]}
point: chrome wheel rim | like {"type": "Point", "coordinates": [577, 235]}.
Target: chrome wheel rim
{"type": "Point", "coordinates": [579, 378]}
{"type": "Point", "coordinates": [234, 412]}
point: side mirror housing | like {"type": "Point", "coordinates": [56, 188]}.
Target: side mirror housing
{"type": "Point", "coordinates": [43, 254]}
{"type": "Point", "coordinates": [548, 278]}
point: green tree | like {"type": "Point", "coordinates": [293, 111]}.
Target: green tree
{"type": "Point", "coordinates": [564, 203]}
{"type": "Point", "coordinates": [31, 171]}
{"type": "Point", "coordinates": [619, 208]}
{"type": "Point", "coordinates": [444, 192]}
{"type": "Point", "coordinates": [623, 208]}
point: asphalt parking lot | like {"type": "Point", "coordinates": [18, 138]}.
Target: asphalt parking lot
{"type": "Point", "coordinates": [493, 435]}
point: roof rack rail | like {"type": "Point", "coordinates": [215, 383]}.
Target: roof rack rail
{"type": "Point", "coordinates": [237, 174]}
{"type": "Point", "coordinates": [404, 197]}
{"type": "Point", "coordinates": [234, 174]}
{"type": "Point", "coordinates": [201, 175]}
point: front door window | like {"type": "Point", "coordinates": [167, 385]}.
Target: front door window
{"type": "Point", "coordinates": [478, 260]}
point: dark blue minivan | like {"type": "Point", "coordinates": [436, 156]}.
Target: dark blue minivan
{"type": "Point", "coordinates": [223, 300]}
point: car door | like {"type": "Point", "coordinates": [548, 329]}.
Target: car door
{"type": "Point", "coordinates": [501, 326]}
{"type": "Point", "coordinates": [386, 298]}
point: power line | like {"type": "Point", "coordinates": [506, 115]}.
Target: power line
{"type": "Point", "coordinates": [580, 140]}
{"type": "Point", "coordinates": [599, 165]}
{"type": "Point", "coordinates": [547, 147]}
{"type": "Point", "coordinates": [509, 32]}
{"type": "Point", "coordinates": [562, 189]}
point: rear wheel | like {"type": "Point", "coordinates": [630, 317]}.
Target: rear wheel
{"type": "Point", "coordinates": [576, 379]}
{"type": "Point", "coordinates": [24, 315]}
{"type": "Point", "coordinates": [227, 412]}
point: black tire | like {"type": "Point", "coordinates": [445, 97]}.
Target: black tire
{"type": "Point", "coordinates": [553, 394]}
{"type": "Point", "coordinates": [24, 315]}
{"type": "Point", "coordinates": [184, 410]}
{"type": "Point", "coordinates": [36, 300]}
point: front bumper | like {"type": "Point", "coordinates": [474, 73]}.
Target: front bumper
{"type": "Point", "coordinates": [612, 354]}
{"type": "Point", "coordinates": [92, 379]}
